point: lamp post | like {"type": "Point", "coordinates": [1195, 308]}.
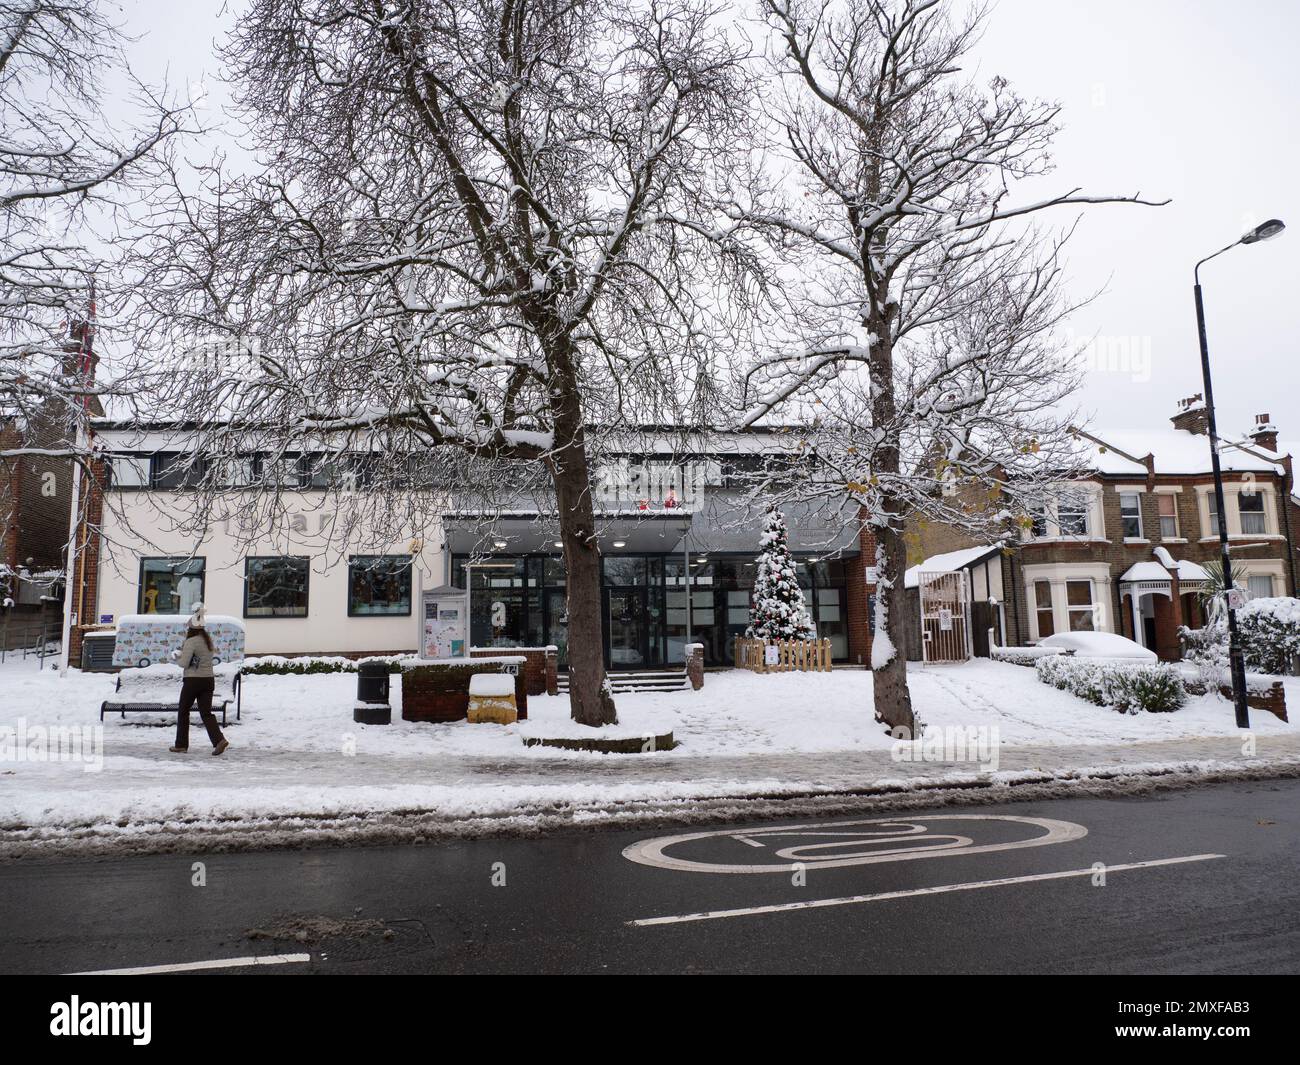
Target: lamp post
{"type": "Point", "coordinates": [1236, 663]}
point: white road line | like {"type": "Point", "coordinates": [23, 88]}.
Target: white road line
{"type": "Point", "coordinates": [192, 966]}
{"type": "Point", "coordinates": [874, 833]}
{"type": "Point", "coordinates": [746, 839]}
{"type": "Point", "coordinates": [813, 904]}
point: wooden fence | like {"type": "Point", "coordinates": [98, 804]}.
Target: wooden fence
{"type": "Point", "coordinates": [804, 655]}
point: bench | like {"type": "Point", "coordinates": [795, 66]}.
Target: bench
{"type": "Point", "coordinates": [157, 690]}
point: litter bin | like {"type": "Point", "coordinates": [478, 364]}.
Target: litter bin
{"type": "Point", "coordinates": [372, 695]}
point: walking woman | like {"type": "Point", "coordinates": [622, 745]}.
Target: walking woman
{"type": "Point", "coordinates": [197, 683]}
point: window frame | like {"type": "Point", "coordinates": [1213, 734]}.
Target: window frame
{"type": "Point", "coordinates": [1075, 608]}
{"type": "Point", "coordinates": [1040, 609]}
{"type": "Point", "coordinates": [202, 560]}
{"type": "Point", "coordinates": [1172, 515]}
{"type": "Point", "coordinates": [1257, 498]}
{"type": "Point", "coordinates": [354, 560]}
{"type": "Point", "coordinates": [306, 586]}
{"type": "Point", "coordinates": [1135, 515]}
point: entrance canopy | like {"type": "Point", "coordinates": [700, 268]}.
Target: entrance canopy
{"type": "Point", "coordinates": [1152, 578]}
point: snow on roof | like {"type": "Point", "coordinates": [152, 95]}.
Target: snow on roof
{"type": "Point", "coordinates": [1175, 451]}
{"type": "Point", "coordinates": [948, 562]}
{"type": "Point", "coordinates": [1154, 571]}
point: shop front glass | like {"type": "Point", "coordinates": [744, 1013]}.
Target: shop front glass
{"type": "Point", "coordinates": [518, 602]}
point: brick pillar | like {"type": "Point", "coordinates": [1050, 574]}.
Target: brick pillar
{"type": "Point", "coordinates": [552, 671]}
{"type": "Point", "coordinates": [859, 593]}
{"type": "Point", "coordinates": [84, 591]}
{"type": "Point", "coordinates": [695, 665]}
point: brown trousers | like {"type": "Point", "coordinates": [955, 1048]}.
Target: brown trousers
{"type": "Point", "coordinates": [200, 689]}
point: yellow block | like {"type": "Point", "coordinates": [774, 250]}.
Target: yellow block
{"type": "Point", "coordinates": [493, 709]}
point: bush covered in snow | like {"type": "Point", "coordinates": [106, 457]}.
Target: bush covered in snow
{"type": "Point", "coordinates": [1024, 656]}
{"type": "Point", "coordinates": [278, 665]}
{"type": "Point", "coordinates": [1128, 688]}
{"type": "Point", "coordinates": [1270, 633]}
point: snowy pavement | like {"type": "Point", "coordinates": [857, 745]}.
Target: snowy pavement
{"type": "Point", "coordinates": [297, 753]}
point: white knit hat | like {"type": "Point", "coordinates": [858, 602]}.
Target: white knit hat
{"type": "Point", "coordinates": [199, 617]}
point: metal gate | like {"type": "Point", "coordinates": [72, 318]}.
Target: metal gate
{"type": "Point", "coordinates": [945, 616]}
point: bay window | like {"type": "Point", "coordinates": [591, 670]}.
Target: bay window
{"type": "Point", "coordinates": [1078, 604]}
{"type": "Point", "coordinates": [1251, 509]}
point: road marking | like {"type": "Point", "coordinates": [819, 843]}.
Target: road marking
{"type": "Point", "coordinates": [911, 836]}
{"type": "Point", "coordinates": [813, 904]}
{"type": "Point", "coordinates": [192, 966]}
{"type": "Point", "coordinates": [751, 842]}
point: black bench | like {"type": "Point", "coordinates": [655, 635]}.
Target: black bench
{"type": "Point", "coordinates": [229, 690]}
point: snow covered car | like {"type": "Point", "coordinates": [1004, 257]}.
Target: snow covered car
{"type": "Point", "coordinates": [1099, 645]}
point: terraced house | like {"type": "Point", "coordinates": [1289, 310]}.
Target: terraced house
{"type": "Point", "coordinates": [1124, 549]}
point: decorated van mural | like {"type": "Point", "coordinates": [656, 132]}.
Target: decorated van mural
{"type": "Point", "coordinates": [146, 639]}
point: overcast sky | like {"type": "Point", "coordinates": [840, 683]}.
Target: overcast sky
{"type": "Point", "coordinates": [1188, 99]}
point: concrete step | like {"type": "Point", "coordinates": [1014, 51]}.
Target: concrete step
{"type": "Point", "coordinates": [647, 680]}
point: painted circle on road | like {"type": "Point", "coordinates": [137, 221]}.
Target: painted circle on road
{"type": "Point", "coordinates": [836, 844]}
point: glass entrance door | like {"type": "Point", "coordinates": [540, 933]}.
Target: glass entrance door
{"type": "Point", "coordinates": [625, 610]}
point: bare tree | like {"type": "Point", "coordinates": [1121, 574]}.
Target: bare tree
{"type": "Point", "coordinates": [926, 319]}
{"type": "Point", "coordinates": [475, 235]}
{"type": "Point", "coordinates": [64, 171]}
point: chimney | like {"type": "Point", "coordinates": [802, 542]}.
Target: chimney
{"type": "Point", "coordinates": [1191, 417]}
{"type": "Point", "coordinates": [1264, 433]}
{"type": "Point", "coordinates": [79, 355]}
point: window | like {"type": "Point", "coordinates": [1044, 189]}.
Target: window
{"type": "Point", "coordinates": [129, 471]}
{"type": "Point", "coordinates": [379, 585]}
{"type": "Point", "coordinates": [1130, 512]}
{"type": "Point", "coordinates": [172, 470]}
{"type": "Point", "coordinates": [1078, 602]}
{"type": "Point", "coordinates": [1167, 504]}
{"type": "Point", "coordinates": [1214, 515]}
{"type": "Point", "coordinates": [170, 585]}
{"type": "Point", "coordinates": [235, 471]}
{"type": "Point", "coordinates": [282, 471]}
{"type": "Point", "coordinates": [1251, 509]}
{"type": "Point", "coordinates": [1038, 521]}
{"type": "Point", "coordinates": [1043, 606]}
{"type": "Point", "coordinates": [275, 587]}
{"type": "Point", "coordinates": [1259, 587]}
{"type": "Point", "coordinates": [1072, 516]}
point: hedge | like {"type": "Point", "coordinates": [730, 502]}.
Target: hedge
{"type": "Point", "coordinates": [1127, 688]}
{"type": "Point", "coordinates": [277, 665]}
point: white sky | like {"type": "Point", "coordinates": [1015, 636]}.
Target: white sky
{"type": "Point", "coordinates": [1186, 99]}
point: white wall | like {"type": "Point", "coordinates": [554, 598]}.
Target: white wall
{"type": "Point", "coordinates": [143, 524]}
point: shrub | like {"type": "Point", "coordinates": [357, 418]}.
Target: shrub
{"type": "Point", "coordinates": [1126, 687]}
{"type": "Point", "coordinates": [1024, 656]}
{"type": "Point", "coordinates": [276, 665]}
{"type": "Point", "coordinates": [1270, 633]}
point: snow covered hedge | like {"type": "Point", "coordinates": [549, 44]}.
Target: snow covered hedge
{"type": "Point", "coordinates": [1126, 687]}
{"type": "Point", "coordinates": [278, 665]}
{"type": "Point", "coordinates": [1270, 633]}
{"type": "Point", "coordinates": [1025, 656]}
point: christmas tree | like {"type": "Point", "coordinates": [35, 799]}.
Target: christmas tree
{"type": "Point", "coordinates": [777, 610]}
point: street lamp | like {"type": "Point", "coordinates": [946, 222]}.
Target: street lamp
{"type": "Point", "coordinates": [1236, 663]}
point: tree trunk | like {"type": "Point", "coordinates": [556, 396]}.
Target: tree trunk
{"type": "Point", "coordinates": [889, 678]}
{"type": "Point", "coordinates": [590, 700]}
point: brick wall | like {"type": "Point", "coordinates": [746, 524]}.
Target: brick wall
{"type": "Point", "coordinates": [85, 578]}
{"type": "Point", "coordinates": [857, 597]}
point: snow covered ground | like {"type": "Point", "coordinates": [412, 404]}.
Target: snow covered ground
{"type": "Point", "coordinates": [297, 750]}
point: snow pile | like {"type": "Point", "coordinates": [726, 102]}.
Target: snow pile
{"type": "Point", "coordinates": [1099, 645]}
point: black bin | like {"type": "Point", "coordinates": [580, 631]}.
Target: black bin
{"type": "Point", "coordinates": [372, 694]}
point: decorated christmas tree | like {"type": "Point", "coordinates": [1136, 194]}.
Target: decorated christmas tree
{"type": "Point", "coordinates": [777, 610]}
